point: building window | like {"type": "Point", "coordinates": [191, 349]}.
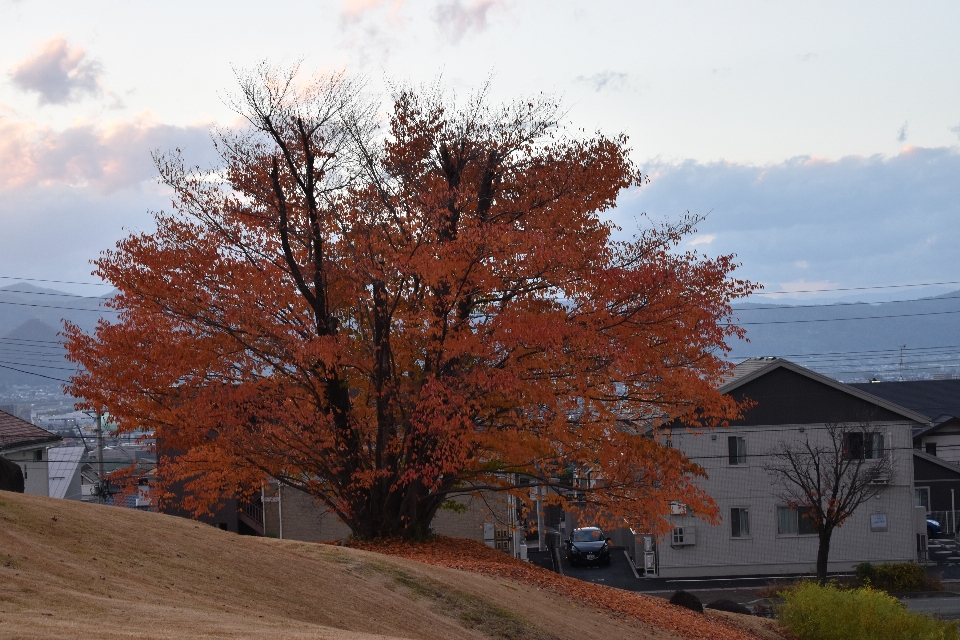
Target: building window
{"type": "Point", "coordinates": [683, 536]}
{"type": "Point", "coordinates": [923, 497]}
{"type": "Point", "coordinates": [862, 446]}
{"type": "Point", "coordinates": [737, 448]}
{"type": "Point", "coordinates": [931, 448]}
{"type": "Point", "coordinates": [797, 521]}
{"type": "Point", "coordinates": [739, 522]}
{"type": "Point", "coordinates": [38, 455]}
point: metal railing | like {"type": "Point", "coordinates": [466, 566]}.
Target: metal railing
{"type": "Point", "coordinates": [253, 509]}
{"type": "Point", "coordinates": [947, 519]}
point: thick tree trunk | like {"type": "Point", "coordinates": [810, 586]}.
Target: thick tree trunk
{"type": "Point", "coordinates": [403, 514]}
{"type": "Point", "coordinates": [823, 553]}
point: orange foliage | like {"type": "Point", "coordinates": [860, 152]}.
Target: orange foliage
{"type": "Point", "coordinates": [389, 317]}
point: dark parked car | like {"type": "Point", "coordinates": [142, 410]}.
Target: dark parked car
{"type": "Point", "coordinates": [933, 528]}
{"type": "Point", "coordinates": [588, 545]}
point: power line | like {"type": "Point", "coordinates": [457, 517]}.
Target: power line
{"type": "Point", "coordinates": [92, 284]}
{"type": "Point", "coordinates": [882, 286]}
{"type": "Point", "coordinates": [46, 293]}
{"type": "Point", "coordinates": [31, 373]}
{"type": "Point", "coordinates": [44, 306]}
{"type": "Point", "coordinates": [834, 353]}
{"type": "Point", "coordinates": [37, 366]}
{"type": "Point", "coordinates": [29, 340]}
{"type": "Point", "coordinates": [904, 315]}
{"type": "Point", "coordinates": [840, 304]}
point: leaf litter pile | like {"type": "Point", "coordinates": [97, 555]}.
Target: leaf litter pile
{"type": "Point", "coordinates": [475, 557]}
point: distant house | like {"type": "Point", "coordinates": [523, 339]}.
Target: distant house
{"type": "Point", "coordinates": [937, 487]}
{"type": "Point", "coordinates": [278, 511]}
{"type": "Point", "coordinates": [758, 533]}
{"type": "Point", "coordinates": [27, 445]}
{"type": "Point", "coordinates": [940, 439]}
{"type": "Point", "coordinates": [291, 514]}
{"type": "Point", "coordinates": [939, 399]}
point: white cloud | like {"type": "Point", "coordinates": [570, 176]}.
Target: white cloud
{"type": "Point", "coordinates": [108, 156]}
{"type": "Point", "coordinates": [704, 239]}
{"type": "Point", "coordinates": [58, 74]}
{"type": "Point", "coordinates": [801, 264]}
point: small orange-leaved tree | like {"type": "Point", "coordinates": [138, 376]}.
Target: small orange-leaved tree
{"type": "Point", "coordinates": [388, 313]}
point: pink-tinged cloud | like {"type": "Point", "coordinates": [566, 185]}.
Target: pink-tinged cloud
{"type": "Point", "coordinates": [353, 10]}
{"type": "Point", "coordinates": [108, 157]}
{"type": "Point", "coordinates": [58, 74]}
{"type": "Point", "coordinates": [456, 17]}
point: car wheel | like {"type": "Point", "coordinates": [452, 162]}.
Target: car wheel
{"type": "Point", "coordinates": [606, 561]}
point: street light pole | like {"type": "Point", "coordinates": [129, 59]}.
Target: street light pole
{"type": "Point", "coordinates": [101, 485]}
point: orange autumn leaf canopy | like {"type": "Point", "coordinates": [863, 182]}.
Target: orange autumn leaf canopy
{"type": "Point", "coordinates": [387, 316]}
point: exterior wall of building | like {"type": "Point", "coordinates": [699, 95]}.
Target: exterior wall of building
{"type": "Point", "coordinates": [35, 472]}
{"type": "Point", "coordinates": [947, 441]}
{"type": "Point", "coordinates": [305, 520]}
{"type": "Point", "coordinates": [937, 480]}
{"type": "Point", "coordinates": [764, 551]}
{"type": "Point", "coordinates": [302, 518]}
{"type": "Point", "coordinates": [490, 510]}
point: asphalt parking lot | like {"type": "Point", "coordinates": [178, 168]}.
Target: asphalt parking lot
{"type": "Point", "coordinates": [619, 574]}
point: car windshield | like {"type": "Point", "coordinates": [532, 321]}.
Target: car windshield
{"type": "Point", "coordinates": [588, 535]}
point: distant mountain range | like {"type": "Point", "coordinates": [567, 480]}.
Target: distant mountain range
{"type": "Point", "coordinates": [31, 319]}
{"type": "Point", "coordinates": [853, 342]}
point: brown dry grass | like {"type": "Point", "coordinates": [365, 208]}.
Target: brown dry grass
{"type": "Point", "coordinates": [72, 570]}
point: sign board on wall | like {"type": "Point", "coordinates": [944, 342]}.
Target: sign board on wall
{"type": "Point", "coordinates": [878, 522]}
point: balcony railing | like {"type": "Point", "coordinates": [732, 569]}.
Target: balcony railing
{"type": "Point", "coordinates": [253, 510]}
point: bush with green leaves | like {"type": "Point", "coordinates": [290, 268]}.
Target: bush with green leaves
{"type": "Point", "coordinates": [814, 612]}
{"type": "Point", "coordinates": [895, 576]}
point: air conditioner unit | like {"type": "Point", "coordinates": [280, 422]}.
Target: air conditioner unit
{"type": "Point", "coordinates": [683, 536]}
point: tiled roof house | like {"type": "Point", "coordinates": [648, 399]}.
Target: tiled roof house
{"type": "Point", "coordinates": [27, 444]}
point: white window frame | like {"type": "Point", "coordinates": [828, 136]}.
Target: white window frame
{"type": "Point", "coordinates": [683, 536]}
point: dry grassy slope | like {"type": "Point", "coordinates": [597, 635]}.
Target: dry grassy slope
{"type": "Point", "coordinates": [83, 571]}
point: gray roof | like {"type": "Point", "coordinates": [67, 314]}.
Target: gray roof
{"type": "Point", "coordinates": [745, 368]}
{"type": "Point", "coordinates": [937, 461]}
{"type": "Point", "coordinates": [929, 397]}
{"type": "Point", "coordinates": [940, 421]}
{"type": "Point", "coordinates": [753, 368]}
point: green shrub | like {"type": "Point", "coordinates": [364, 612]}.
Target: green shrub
{"type": "Point", "coordinates": [813, 612]}
{"type": "Point", "coordinates": [895, 576]}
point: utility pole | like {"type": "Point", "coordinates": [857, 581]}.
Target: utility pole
{"type": "Point", "coordinates": [902, 347]}
{"type": "Point", "coordinates": [101, 484]}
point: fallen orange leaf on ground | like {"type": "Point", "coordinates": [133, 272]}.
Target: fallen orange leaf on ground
{"type": "Point", "coordinates": [473, 556]}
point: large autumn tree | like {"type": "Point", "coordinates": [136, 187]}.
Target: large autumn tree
{"type": "Point", "coordinates": [388, 311]}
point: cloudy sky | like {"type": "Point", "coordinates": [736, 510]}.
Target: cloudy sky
{"type": "Point", "coordinates": [823, 139]}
